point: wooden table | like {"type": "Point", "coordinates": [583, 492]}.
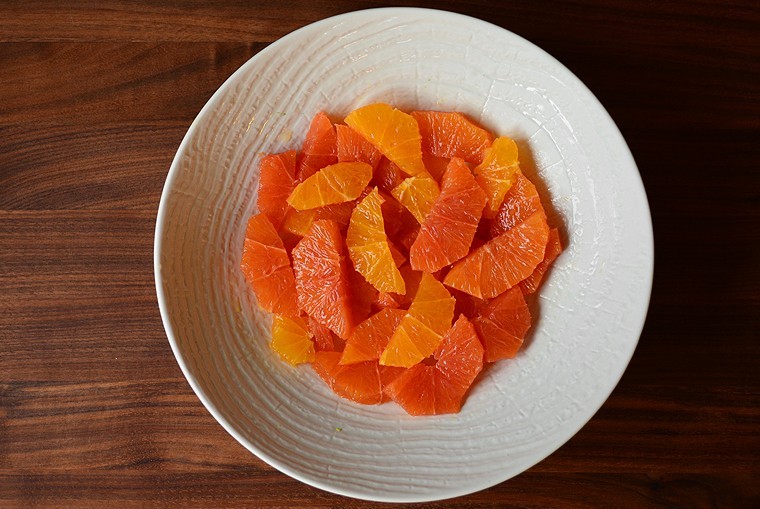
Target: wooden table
{"type": "Point", "coordinates": [94, 100]}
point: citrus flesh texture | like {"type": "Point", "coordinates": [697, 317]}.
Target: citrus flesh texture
{"type": "Point", "coordinates": [369, 248]}
{"type": "Point", "coordinates": [319, 148]}
{"type": "Point", "coordinates": [290, 339]}
{"type": "Point", "coordinates": [502, 262]}
{"type": "Point", "coordinates": [498, 172]}
{"type": "Point", "coordinates": [394, 133]}
{"type": "Point", "coordinates": [267, 268]}
{"type": "Point", "coordinates": [553, 249]}
{"type": "Point", "coordinates": [337, 183]}
{"type": "Point", "coordinates": [276, 182]}
{"type": "Point", "coordinates": [422, 327]}
{"type": "Point", "coordinates": [502, 324]}
{"type": "Point", "coordinates": [451, 134]}
{"type": "Point", "coordinates": [353, 147]}
{"type": "Point", "coordinates": [368, 339]}
{"type": "Point", "coordinates": [519, 203]}
{"type": "Point", "coordinates": [448, 229]}
{"type": "Point", "coordinates": [323, 277]}
{"type": "Point", "coordinates": [417, 194]}
{"type": "Point", "coordinates": [426, 389]}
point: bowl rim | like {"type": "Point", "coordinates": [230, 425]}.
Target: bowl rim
{"type": "Point", "coordinates": [163, 305]}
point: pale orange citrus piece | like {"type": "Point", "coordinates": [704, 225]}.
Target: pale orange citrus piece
{"type": "Point", "coordinates": [498, 172]}
{"type": "Point", "coordinates": [421, 329]}
{"type": "Point", "coordinates": [290, 339]}
{"type": "Point", "coordinates": [337, 183]}
{"type": "Point", "coordinates": [368, 246]}
{"type": "Point", "coordinates": [417, 194]}
{"type": "Point", "coordinates": [392, 132]}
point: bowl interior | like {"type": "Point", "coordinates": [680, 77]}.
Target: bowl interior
{"type": "Point", "coordinates": [589, 312]}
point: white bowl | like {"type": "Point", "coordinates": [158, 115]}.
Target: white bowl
{"type": "Point", "coordinates": [591, 307]}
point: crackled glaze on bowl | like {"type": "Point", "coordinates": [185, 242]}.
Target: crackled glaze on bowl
{"type": "Point", "coordinates": [590, 310]}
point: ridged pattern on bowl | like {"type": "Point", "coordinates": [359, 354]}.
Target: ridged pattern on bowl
{"type": "Point", "coordinates": [590, 310]}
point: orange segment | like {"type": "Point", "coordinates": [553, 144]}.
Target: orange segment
{"type": "Point", "coordinates": [417, 194]}
{"type": "Point", "coordinates": [337, 183]}
{"type": "Point", "coordinates": [392, 132]}
{"type": "Point", "coordinates": [368, 339]}
{"type": "Point", "coordinates": [440, 389]}
{"type": "Point", "coordinates": [420, 331]}
{"type": "Point", "coordinates": [322, 275]}
{"type": "Point", "coordinates": [502, 324]}
{"type": "Point", "coordinates": [324, 338]}
{"type": "Point", "coordinates": [298, 222]}
{"type": "Point", "coordinates": [387, 176]}
{"type": "Point", "coordinates": [360, 382]}
{"type": "Point", "coordinates": [387, 300]}
{"type": "Point", "coordinates": [276, 182]}
{"type": "Point", "coordinates": [498, 172]}
{"type": "Point", "coordinates": [319, 147]}
{"type": "Point", "coordinates": [353, 147]}
{"type": "Point", "coordinates": [267, 269]}
{"type": "Point", "coordinates": [553, 250]}
{"type": "Point", "coordinates": [368, 246]}
{"type": "Point", "coordinates": [363, 295]}
{"type": "Point", "coordinates": [448, 230]}
{"type": "Point", "coordinates": [436, 166]}
{"type": "Point", "coordinates": [521, 201]}
{"type": "Point", "coordinates": [290, 339]}
{"type": "Point", "coordinates": [451, 134]}
{"type": "Point", "coordinates": [502, 262]}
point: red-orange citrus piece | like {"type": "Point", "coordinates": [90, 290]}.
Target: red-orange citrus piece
{"type": "Point", "coordinates": [436, 166]}
{"type": "Point", "coordinates": [392, 132]}
{"type": "Point", "coordinates": [451, 134]}
{"type": "Point", "coordinates": [360, 382]}
{"type": "Point", "coordinates": [447, 232]}
{"type": "Point", "coordinates": [369, 248]}
{"type": "Point", "coordinates": [421, 329]}
{"type": "Point", "coordinates": [290, 339]}
{"type": "Point", "coordinates": [338, 183]}
{"type": "Point", "coordinates": [368, 339]}
{"type": "Point", "coordinates": [553, 250]}
{"type": "Point", "coordinates": [387, 176]}
{"type": "Point", "coordinates": [440, 388]}
{"type": "Point", "coordinates": [417, 194]}
{"type": "Point", "coordinates": [323, 275]}
{"type": "Point", "coordinates": [319, 148]}
{"type": "Point", "coordinates": [353, 147]}
{"type": "Point", "coordinates": [521, 201]}
{"type": "Point", "coordinates": [276, 182]}
{"type": "Point", "coordinates": [501, 325]}
{"type": "Point", "coordinates": [502, 262]}
{"type": "Point", "coordinates": [498, 172]}
{"type": "Point", "coordinates": [324, 338]}
{"type": "Point", "coordinates": [267, 269]}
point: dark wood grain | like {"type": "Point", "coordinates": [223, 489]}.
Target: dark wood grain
{"type": "Point", "coordinates": [95, 97]}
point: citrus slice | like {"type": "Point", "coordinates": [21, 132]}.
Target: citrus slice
{"type": "Point", "coordinates": [368, 246]}
{"type": "Point", "coordinates": [337, 183]}
{"type": "Point", "coordinates": [298, 222]}
{"type": "Point", "coordinates": [440, 388]}
{"type": "Point", "coordinates": [417, 194]}
{"type": "Point", "coordinates": [324, 338]}
{"type": "Point", "coordinates": [521, 201]}
{"type": "Point", "coordinates": [498, 172]}
{"type": "Point", "coordinates": [501, 325]}
{"type": "Point", "coordinates": [435, 166]}
{"type": "Point", "coordinates": [553, 249]}
{"type": "Point", "coordinates": [501, 263]}
{"type": "Point", "coordinates": [447, 232]}
{"type": "Point", "coordinates": [360, 382]}
{"type": "Point", "coordinates": [387, 176]}
{"type": "Point", "coordinates": [276, 182]}
{"type": "Point", "coordinates": [290, 339]}
{"type": "Point", "coordinates": [451, 134]}
{"type": "Point", "coordinates": [392, 132]}
{"type": "Point", "coordinates": [423, 325]}
{"type": "Point", "coordinates": [368, 339]}
{"type": "Point", "coordinates": [267, 269]}
{"type": "Point", "coordinates": [352, 147]}
{"type": "Point", "coordinates": [319, 148]}
{"type": "Point", "coordinates": [322, 274]}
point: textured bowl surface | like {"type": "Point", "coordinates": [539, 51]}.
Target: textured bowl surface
{"type": "Point", "coordinates": [590, 310]}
